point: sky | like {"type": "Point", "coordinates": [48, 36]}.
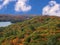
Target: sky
{"type": "Point", "coordinates": [30, 7]}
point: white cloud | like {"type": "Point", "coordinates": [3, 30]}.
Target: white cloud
{"type": "Point", "coordinates": [5, 2]}
{"type": "Point", "coordinates": [52, 9]}
{"type": "Point", "coordinates": [21, 5]}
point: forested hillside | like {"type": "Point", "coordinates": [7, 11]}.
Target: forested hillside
{"type": "Point", "coordinates": [14, 18]}
{"type": "Point", "coordinates": [40, 30]}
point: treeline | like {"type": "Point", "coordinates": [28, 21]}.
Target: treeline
{"type": "Point", "coordinates": [14, 18]}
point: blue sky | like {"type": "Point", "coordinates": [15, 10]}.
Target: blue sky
{"type": "Point", "coordinates": [36, 7]}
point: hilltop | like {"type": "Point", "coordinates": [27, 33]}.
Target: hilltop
{"type": "Point", "coordinates": [39, 30]}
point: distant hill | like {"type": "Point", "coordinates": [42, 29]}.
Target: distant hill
{"type": "Point", "coordinates": [40, 30]}
{"type": "Point", "coordinates": [14, 18]}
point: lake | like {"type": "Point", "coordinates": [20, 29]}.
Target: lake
{"type": "Point", "coordinates": [4, 24]}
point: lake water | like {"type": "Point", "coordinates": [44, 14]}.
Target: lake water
{"type": "Point", "coordinates": [4, 24]}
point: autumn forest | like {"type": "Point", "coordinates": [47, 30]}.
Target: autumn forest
{"type": "Point", "coordinates": [30, 30]}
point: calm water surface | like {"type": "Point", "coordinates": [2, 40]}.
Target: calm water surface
{"type": "Point", "coordinates": [4, 24]}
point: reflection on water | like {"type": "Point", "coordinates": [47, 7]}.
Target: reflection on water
{"type": "Point", "coordinates": [4, 24]}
